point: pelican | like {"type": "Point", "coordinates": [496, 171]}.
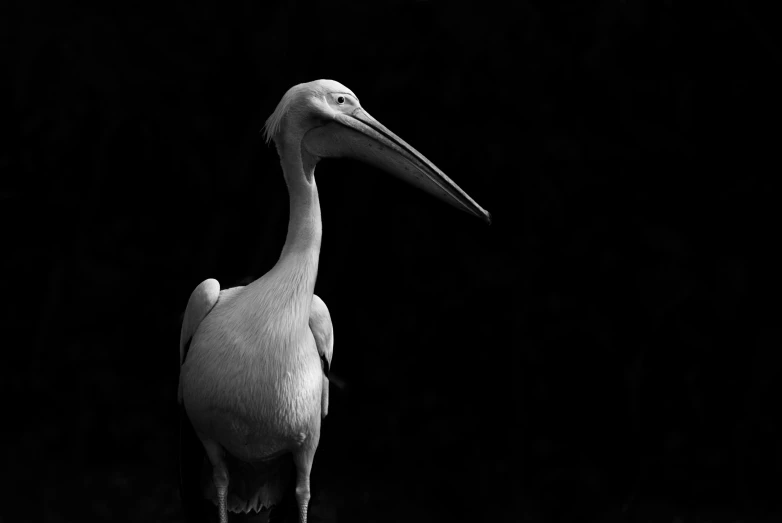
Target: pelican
{"type": "Point", "coordinates": [254, 360]}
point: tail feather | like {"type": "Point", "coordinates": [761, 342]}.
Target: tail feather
{"type": "Point", "coordinates": [253, 486]}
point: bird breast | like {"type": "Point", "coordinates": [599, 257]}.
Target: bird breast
{"type": "Point", "coordinates": [253, 385]}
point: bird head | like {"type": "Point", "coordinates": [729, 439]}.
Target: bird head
{"type": "Point", "coordinates": [324, 119]}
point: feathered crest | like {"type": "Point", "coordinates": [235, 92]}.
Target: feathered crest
{"type": "Point", "coordinates": [274, 122]}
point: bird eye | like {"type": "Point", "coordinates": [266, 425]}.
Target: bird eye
{"type": "Point", "coordinates": [340, 100]}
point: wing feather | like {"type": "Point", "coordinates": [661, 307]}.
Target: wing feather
{"type": "Point", "coordinates": [202, 301]}
{"type": "Point", "coordinates": [323, 331]}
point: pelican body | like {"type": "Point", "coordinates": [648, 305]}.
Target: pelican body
{"type": "Point", "coordinates": [254, 360]}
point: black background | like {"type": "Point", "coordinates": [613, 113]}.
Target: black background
{"type": "Point", "coordinates": [607, 350]}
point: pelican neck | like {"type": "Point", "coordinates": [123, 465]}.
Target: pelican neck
{"type": "Point", "coordinates": [304, 225]}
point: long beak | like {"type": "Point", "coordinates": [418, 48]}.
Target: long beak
{"type": "Point", "coordinates": [358, 135]}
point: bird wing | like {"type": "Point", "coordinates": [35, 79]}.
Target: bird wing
{"type": "Point", "coordinates": [320, 325]}
{"type": "Point", "coordinates": [192, 457]}
{"type": "Point", "coordinates": [202, 300]}
{"type": "Point", "coordinates": [323, 332]}
{"type": "Point", "coordinates": [191, 451]}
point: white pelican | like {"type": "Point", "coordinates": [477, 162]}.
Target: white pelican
{"type": "Point", "coordinates": [254, 360]}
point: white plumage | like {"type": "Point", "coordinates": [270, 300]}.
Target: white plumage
{"type": "Point", "coordinates": [255, 359]}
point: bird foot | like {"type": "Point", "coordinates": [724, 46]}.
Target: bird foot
{"type": "Point", "coordinates": [221, 483]}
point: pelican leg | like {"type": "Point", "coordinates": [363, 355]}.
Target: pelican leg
{"type": "Point", "coordinates": [303, 461]}
{"type": "Point", "coordinates": [221, 483]}
{"type": "Point", "coordinates": [219, 477]}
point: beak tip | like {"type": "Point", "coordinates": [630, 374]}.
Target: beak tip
{"type": "Point", "coordinates": [487, 217]}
